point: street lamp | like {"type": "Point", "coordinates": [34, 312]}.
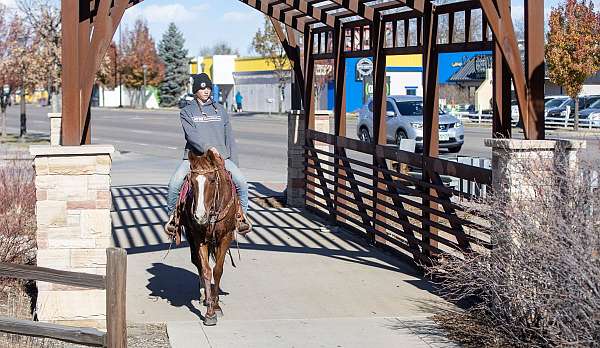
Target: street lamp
{"type": "Point", "coordinates": [145, 67]}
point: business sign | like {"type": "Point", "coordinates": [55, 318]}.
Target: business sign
{"type": "Point", "coordinates": [364, 67]}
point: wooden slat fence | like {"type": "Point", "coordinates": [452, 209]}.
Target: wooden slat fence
{"type": "Point", "coordinates": [395, 204]}
{"type": "Point", "coordinates": [113, 282]}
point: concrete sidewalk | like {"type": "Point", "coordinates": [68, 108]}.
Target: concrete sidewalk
{"type": "Point", "coordinates": [299, 283]}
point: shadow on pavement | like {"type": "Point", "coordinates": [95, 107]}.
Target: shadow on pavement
{"type": "Point", "coordinates": [176, 285]}
{"type": "Point", "coordinates": [139, 212]}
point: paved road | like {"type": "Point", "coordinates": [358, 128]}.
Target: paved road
{"type": "Point", "coordinates": [262, 139]}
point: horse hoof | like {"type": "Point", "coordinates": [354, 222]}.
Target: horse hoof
{"type": "Point", "coordinates": [219, 313]}
{"type": "Point", "coordinates": [210, 321]}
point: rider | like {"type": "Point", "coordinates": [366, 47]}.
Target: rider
{"type": "Point", "coordinates": [207, 127]}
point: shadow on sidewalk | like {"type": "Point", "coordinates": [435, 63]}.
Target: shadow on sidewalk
{"type": "Point", "coordinates": [176, 285]}
{"type": "Point", "coordinates": [139, 213]}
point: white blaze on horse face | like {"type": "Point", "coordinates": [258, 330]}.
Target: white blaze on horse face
{"type": "Point", "coordinates": [200, 208]}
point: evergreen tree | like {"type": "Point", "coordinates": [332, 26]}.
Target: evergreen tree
{"type": "Point", "coordinates": [172, 52]}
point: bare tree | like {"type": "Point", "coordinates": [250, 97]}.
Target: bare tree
{"type": "Point", "coordinates": [267, 44]}
{"type": "Point", "coordinates": [539, 284]}
{"type": "Point", "coordinates": [43, 18]}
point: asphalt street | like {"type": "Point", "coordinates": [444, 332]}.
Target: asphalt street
{"type": "Point", "coordinates": [262, 139]}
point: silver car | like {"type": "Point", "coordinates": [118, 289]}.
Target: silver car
{"type": "Point", "coordinates": [404, 120]}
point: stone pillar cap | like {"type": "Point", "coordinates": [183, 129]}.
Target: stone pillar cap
{"type": "Point", "coordinates": [54, 115]}
{"type": "Point", "coordinates": [522, 144]}
{"type": "Point", "coordinates": [48, 150]}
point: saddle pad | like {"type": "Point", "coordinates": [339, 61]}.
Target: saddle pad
{"type": "Point", "coordinates": [184, 190]}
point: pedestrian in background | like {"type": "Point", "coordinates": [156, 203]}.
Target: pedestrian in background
{"type": "Point", "coordinates": [238, 101]}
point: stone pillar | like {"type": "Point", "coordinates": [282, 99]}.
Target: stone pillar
{"type": "Point", "coordinates": [296, 180]}
{"type": "Point", "coordinates": [513, 161]}
{"type": "Point", "coordinates": [55, 128]}
{"type": "Point", "coordinates": [73, 228]}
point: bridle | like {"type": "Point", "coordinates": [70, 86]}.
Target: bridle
{"type": "Point", "coordinates": [215, 215]}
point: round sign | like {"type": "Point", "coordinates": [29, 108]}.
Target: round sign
{"type": "Point", "coordinates": [364, 67]}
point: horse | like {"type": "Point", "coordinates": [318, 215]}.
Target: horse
{"type": "Point", "coordinates": [209, 218]}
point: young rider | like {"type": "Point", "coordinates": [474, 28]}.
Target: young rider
{"type": "Point", "coordinates": [207, 127]}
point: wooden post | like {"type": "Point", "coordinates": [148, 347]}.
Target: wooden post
{"type": "Point", "coordinates": [379, 123]}
{"type": "Point", "coordinates": [116, 276]}
{"type": "Point", "coordinates": [534, 67]}
{"type": "Point", "coordinates": [430, 113]}
{"type": "Point", "coordinates": [71, 124]}
{"type": "Point", "coordinates": [502, 121]}
{"type": "Point", "coordinates": [340, 115]}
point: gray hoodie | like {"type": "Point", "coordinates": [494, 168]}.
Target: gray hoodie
{"type": "Point", "coordinates": [205, 126]}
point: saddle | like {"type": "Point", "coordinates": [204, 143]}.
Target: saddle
{"type": "Point", "coordinates": [186, 194]}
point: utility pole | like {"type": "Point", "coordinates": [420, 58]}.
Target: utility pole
{"type": "Point", "coordinates": [3, 106]}
{"type": "Point", "coordinates": [145, 67]}
{"type": "Point", "coordinates": [120, 83]}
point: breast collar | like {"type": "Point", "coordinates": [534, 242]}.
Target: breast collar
{"type": "Point", "coordinates": [200, 107]}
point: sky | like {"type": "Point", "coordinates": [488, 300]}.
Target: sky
{"type": "Point", "coordinates": [205, 22]}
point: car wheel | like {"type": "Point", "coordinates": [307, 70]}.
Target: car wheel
{"type": "Point", "coordinates": [455, 149]}
{"type": "Point", "coordinates": [400, 134]}
{"type": "Point", "coordinates": [364, 135]}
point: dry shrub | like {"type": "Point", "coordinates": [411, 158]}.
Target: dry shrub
{"type": "Point", "coordinates": [17, 212]}
{"type": "Point", "coordinates": [539, 285]}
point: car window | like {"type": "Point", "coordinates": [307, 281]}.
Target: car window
{"type": "Point", "coordinates": [571, 103]}
{"type": "Point", "coordinates": [410, 108]}
{"type": "Point", "coordinates": [595, 105]}
{"type": "Point", "coordinates": [590, 101]}
{"type": "Point", "coordinates": [390, 107]}
{"type": "Point", "coordinates": [554, 103]}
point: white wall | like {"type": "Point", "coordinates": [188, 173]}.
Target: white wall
{"type": "Point", "coordinates": [484, 93]}
{"type": "Point", "coordinates": [130, 98]}
{"type": "Point", "coordinates": [400, 80]}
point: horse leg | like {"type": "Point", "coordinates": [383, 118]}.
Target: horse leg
{"type": "Point", "coordinates": [218, 272]}
{"type": "Point", "coordinates": [211, 317]}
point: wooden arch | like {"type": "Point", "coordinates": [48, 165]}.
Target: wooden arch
{"type": "Point", "coordinates": [88, 28]}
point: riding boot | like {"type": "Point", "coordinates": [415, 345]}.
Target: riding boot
{"type": "Point", "coordinates": [245, 226]}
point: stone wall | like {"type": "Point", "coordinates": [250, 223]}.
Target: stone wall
{"type": "Point", "coordinates": [513, 160]}
{"type": "Point", "coordinates": [73, 227]}
{"type": "Point", "coordinates": [296, 179]}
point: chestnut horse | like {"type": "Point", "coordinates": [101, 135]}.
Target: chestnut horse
{"type": "Point", "coordinates": [209, 218]}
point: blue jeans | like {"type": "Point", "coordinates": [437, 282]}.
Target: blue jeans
{"type": "Point", "coordinates": [239, 180]}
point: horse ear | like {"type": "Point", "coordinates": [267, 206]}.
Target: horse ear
{"type": "Point", "coordinates": [211, 156]}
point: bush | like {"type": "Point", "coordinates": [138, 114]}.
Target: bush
{"type": "Point", "coordinates": [17, 212]}
{"type": "Point", "coordinates": [539, 285]}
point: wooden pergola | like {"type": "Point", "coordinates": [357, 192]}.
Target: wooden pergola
{"type": "Point", "coordinates": [327, 28]}
{"type": "Point", "coordinates": [389, 207]}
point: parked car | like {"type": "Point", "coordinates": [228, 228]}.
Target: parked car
{"type": "Point", "coordinates": [404, 120]}
{"type": "Point", "coordinates": [565, 107]}
{"type": "Point", "coordinates": [185, 99]}
{"type": "Point", "coordinates": [591, 114]}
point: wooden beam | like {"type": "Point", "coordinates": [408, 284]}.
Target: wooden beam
{"type": "Point", "coordinates": [502, 120]}
{"type": "Point", "coordinates": [28, 272]}
{"type": "Point", "coordinates": [430, 117]}
{"type": "Point", "coordinates": [339, 113]}
{"type": "Point", "coordinates": [71, 103]}
{"type": "Point", "coordinates": [379, 124]}
{"type": "Point", "coordinates": [503, 30]}
{"type": "Point", "coordinates": [534, 65]}
{"type": "Point", "coordinates": [79, 335]}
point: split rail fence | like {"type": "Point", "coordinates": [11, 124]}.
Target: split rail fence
{"type": "Point", "coordinates": [114, 283]}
